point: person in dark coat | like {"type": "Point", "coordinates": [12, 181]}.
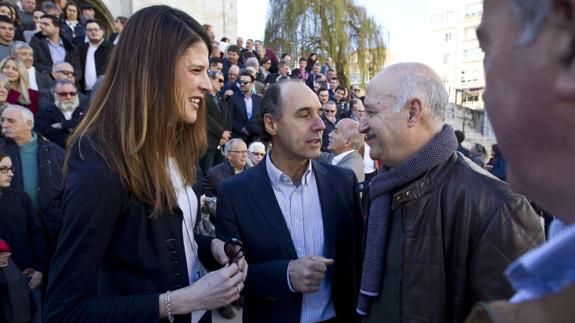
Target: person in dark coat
{"type": "Point", "coordinates": [71, 25]}
{"type": "Point", "coordinates": [94, 55]}
{"type": "Point", "coordinates": [236, 153]}
{"type": "Point", "coordinates": [57, 121]}
{"type": "Point", "coordinates": [38, 167]}
{"type": "Point", "coordinates": [246, 109]}
{"type": "Point", "coordinates": [128, 251]}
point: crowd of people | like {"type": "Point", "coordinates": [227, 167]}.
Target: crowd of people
{"type": "Point", "coordinates": [160, 173]}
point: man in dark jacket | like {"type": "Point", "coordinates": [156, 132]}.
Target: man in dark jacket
{"type": "Point", "coordinates": [38, 167]}
{"type": "Point", "coordinates": [236, 153]}
{"type": "Point", "coordinates": [245, 108]}
{"type": "Point", "coordinates": [94, 55]}
{"type": "Point", "coordinates": [218, 121]}
{"type": "Point", "coordinates": [49, 47]}
{"type": "Point", "coordinates": [454, 227]}
{"type": "Point", "coordinates": [57, 121]}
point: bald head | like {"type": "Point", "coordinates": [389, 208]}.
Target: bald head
{"type": "Point", "coordinates": [405, 82]}
{"type": "Point", "coordinates": [350, 130]}
{"type": "Point", "coordinates": [233, 73]}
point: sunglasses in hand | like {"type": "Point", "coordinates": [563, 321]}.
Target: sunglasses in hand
{"type": "Point", "coordinates": [234, 249]}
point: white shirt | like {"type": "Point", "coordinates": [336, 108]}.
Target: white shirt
{"type": "Point", "coordinates": [91, 76]}
{"type": "Point", "coordinates": [188, 203]}
{"type": "Point", "coordinates": [249, 105]}
{"type": "Point", "coordinates": [368, 163]}
{"type": "Point", "coordinates": [32, 78]}
{"type": "Point", "coordinates": [302, 212]}
{"type": "Point", "coordinates": [339, 157]}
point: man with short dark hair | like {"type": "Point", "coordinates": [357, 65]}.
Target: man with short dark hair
{"type": "Point", "coordinates": [232, 58]}
{"type": "Point", "coordinates": [460, 138]}
{"type": "Point", "coordinates": [302, 244]}
{"type": "Point", "coordinates": [88, 12]}
{"type": "Point", "coordinates": [216, 64]}
{"type": "Point", "coordinates": [7, 32]}
{"type": "Point", "coordinates": [57, 121]}
{"type": "Point", "coordinates": [245, 108]}
{"type": "Point", "coordinates": [94, 55]}
{"type": "Point", "coordinates": [341, 103]}
{"type": "Point", "coordinates": [323, 96]}
{"type": "Point", "coordinates": [49, 47]}
{"type": "Point", "coordinates": [329, 120]}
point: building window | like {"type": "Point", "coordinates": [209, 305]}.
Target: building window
{"type": "Point", "coordinates": [471, 54]}
{"type": "Point", "coordinates": [447, 37]}
{"type": "Point", "coordinates": [469, 33]}
{"type": "Point", "coordinates": [448, 16]}
{"type": "Point", "coordinates": [474, 10]}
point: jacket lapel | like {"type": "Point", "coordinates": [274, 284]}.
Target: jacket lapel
{"type": "Point", "coordinates": [328, 211]}
{"type": "Point", "coordinates": [266, 201]}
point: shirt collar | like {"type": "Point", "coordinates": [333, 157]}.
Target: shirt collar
{"type": "Point", "coordinates": [278, 177]}
{"type": "Point", "coordinates": [339, 157]}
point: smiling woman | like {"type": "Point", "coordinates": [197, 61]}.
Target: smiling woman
{"type": "Point", "coordinates": [128, 252]}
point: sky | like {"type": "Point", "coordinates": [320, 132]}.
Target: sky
{"type": "Point", "coordinates": [404, 22]}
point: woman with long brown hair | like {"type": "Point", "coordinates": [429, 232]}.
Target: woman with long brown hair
{"type": "Point", "coordinates": [127, 251]}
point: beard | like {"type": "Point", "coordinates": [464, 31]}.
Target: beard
{"type": "Point", "coordinates": [67, 106]}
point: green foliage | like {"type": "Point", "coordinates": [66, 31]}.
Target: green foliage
{"type": "Point", "coordinates": [336, 28]}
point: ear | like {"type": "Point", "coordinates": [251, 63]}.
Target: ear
{"type": "Point", "coordinates": [30, 124]}
{"type": "Point", "coordinates": [270, 125]}
{"type": "Point", "coordinates": [563, 25]}
{"type": "Point", "coordinates": [414, 112]}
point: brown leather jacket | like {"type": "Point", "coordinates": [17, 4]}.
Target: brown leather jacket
{"type": "Point", "coordinates": [461, 228]}
{"type": "Point", "coordinates": [556, 308]}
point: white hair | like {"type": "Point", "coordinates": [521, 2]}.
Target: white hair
{"type": "Point", "coordinates": [351, 132]}
{"type": "Point", "coordinates": [256, 144]}
{"type": "Point", "coordinates": [532, 15]}
{"type": "Point", "coordinates": [27, 115]}
{"type": "Point", "coordinates": [429, 90]}
{"type": "Point", "coordinates": [253, 62]}
{"type": "Point", "coordinates": [229, 144]}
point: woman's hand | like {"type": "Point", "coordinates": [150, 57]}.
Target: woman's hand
{"type": "Point", "coordinates": [219, 253]}
{"type": "Point", "coordinates": [214, 290]}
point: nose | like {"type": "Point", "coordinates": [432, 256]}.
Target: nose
{"type": "Point", "coordinates": [205, 84]}
{"type": "Point", "coordinates": [318, 124]}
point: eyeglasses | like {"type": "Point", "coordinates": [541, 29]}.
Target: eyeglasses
{"type": "Point", "coordinates": [245, 82]}
{"type": "Point", "coordinates": [258, 154]}
{"type": "Point", "coordinates": [234, 249]}
{"type": "Point", "coordinates": [67, 73]}
{"type": "Point", "coordinates": [67, 93]}
{"type": "Point", "coordinates": [356, 90]}
{"type": "Point", "coordinates": [243, 152]}
{"type": "Point", "coordinates": [5, 170]}
{"type": "Point", "coordinates": [330, 111]}
{"type": "Point", "coordinates": [220, 80]}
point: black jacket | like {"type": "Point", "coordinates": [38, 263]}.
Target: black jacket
{"type": "Point", "coordinates": [45, 118]}
{"type": "Point", "coordinates": [43, 60]}
{"type": "Point", "coordinates": [101, 57]}
{"type": "Point", "coordinates": [216, 175]}
{"type": "Point", "coordinates": [21, 229]}
{"type": "Point", "coordinates": [43, 79]}
{"type": "Point", "coordinates": [240, 117]}
{"type": "Point", "coordinates": [46, 99]}
{"type": "Point", "coordinates": [79, 31]}
{"type": "Point", "coordinates": [217, 121]}
{"type": "Point", "coordinates": [50, 163]}
{"type": "Point", "coordinates": [113, 258]}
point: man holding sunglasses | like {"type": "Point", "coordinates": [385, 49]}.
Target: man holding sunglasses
{"type": "Point", "coordinates": [298, 219]}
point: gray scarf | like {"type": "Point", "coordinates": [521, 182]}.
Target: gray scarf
{"type": "Point", "coordinates": [435, 153]}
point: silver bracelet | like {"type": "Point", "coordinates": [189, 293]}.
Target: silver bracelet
{"type": "Point", "coordinates": [168, 307]}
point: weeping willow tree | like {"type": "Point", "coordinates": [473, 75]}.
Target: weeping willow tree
{"type": "Point", "coordinates": [337, 28]}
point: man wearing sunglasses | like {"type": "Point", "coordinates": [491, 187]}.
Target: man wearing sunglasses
{"type": "Point", "coordinates": [218, 121]}
{"type": "Point", "coordinates": [298, 219]}
{"type": "Point", "coordinates": [60, 71]}
{"type": "Point", "coordinates": [57, 121]}
{"type": "Point", "coordinates": [246, 109]}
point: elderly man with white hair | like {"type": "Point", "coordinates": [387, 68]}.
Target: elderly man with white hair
{"type": "Point", "coordinates": [236, 153]}
{"type": "Point", "coordinates": [38, 80]}
{"type": "Point", "coordinates": [440, 230]}
{"type": "Point", "coordinates": [38, 166]}
{"type": "Point", "coordinates": [257, 152]}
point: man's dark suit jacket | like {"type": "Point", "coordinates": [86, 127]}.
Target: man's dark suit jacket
{"type": "Point", "coordinates": [216, 175]}
{"type": "Point", "coordinates": [45, 118]}
{"type": "Point", "coordinates": [43, 79]}
{"type": "Point", "coordinates": [101, 57]}
{"type": "Point", "coordinates": [43, 60]}
{"type": "Point", "coordinates": [217, 121]}
{"type": "Point", "coordinates": [240, 117]}
{"type": "Point", "coordinates": [113, 258]}
{"type": "Point", "coordinates": [247, 209]}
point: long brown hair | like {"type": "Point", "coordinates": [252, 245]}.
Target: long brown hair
{"type": "Point", "coordinates": [135, 114]}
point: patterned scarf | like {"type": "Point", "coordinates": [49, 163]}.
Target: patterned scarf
{"type": "Point", "coordinates": [435, 153]}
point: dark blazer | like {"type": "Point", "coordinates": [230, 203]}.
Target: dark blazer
{"type": "Point", "coordinates": [50, 163]}
{"type": "Point", "coordinates": [240, 117]}
{"type": "Point", "coordinates": [113, 258]}
{"type": "Point", "coordinates": [248, 210]}
{"type": "Point", "coordinates": [79, 31]}
{"type": "Point", "coordinates": [216, 175]}
{"type": "Point", "coordinates": [43, 60]}
{"type": "Point", "coordinates": [101, 57]}
{"type": "Point", "coordinates": [44, 120]}
{"type": "Point", "coordinates": [113, 37]}
{"type": "Point", "coordinates": [20, 228]}
{"type": "Point", "coordinates": [217, 121]}
{"type": "Point", "coordinates": [234, 87]}
{"type": "Point", "coordinates": [43, 79]}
